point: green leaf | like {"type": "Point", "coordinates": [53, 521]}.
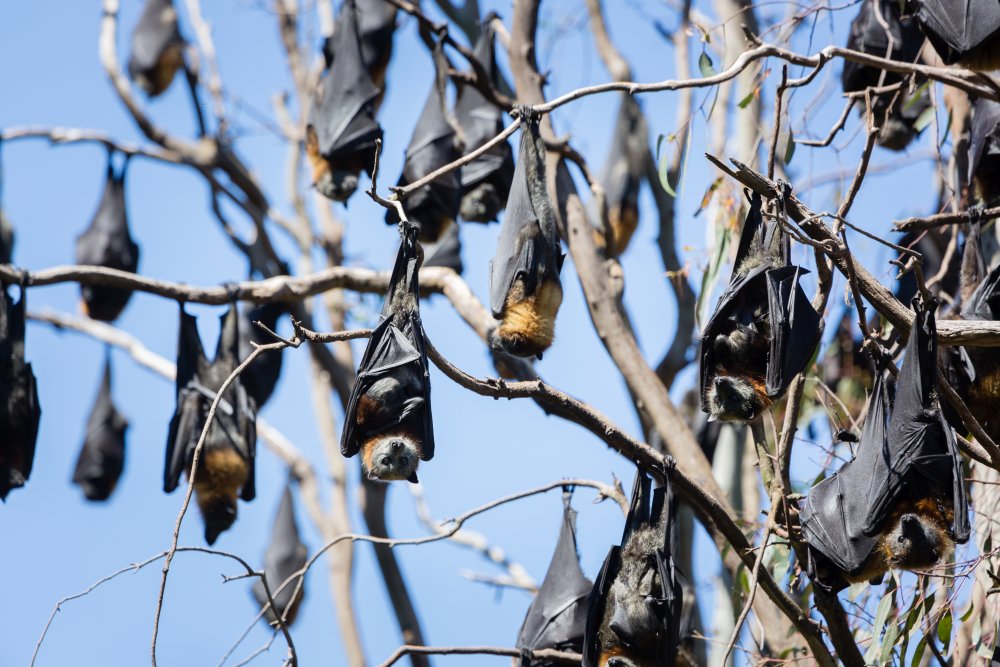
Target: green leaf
{"type": "Point", "coordinates": [944, 629]}
{"type": "Point", "coordinates": [745, 102]}
{"type": "Point", "coordinates": [924, 119]}
{"type": "Point", "coordinates": [888, 644]}
{"type": "Point", "coordinates": [789, 148]}
{"type": "Point", "coordinates": [705, 65]}
{"type": "Point", "coordinates": [661, 169]}
{"type": "Point", "coordinates": [968, 613]}
{"type": "Point", "coordinates": [917, 94]}
{"type": "Point", "coordinates": [977, 631]}
{"type": "Point", "coordinates": [659, 142]}
{"type": "Point", "coordinates": [918, 653]}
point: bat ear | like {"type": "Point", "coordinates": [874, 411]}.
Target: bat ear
{"type": "Point", "coordinates": [412, 479]}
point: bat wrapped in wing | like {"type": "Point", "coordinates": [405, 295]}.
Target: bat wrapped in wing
{"type": "Point", "coordinates": [102, 457]}
{"type": "Point", "coordinates": [901, 502]}
{"type": "Point", "coordinates": [376, 25]}
{"type": "Point", "coordinates": [342, 130]}
{"type": "Point", "coordinates": [6, 239]}
{"type": "Point", "coordinates": [525, 290]}
{"type": "Point", "coordinates": [763, 332]}
{"type": "Point", "coordinates": [446, 251]}
{"type": "Point", "coordinates": [974, 372]}
{"type": "Point", "coordinates": [965, 33]}
{"type": "Point", "coordinates": [557, 616]}
{"type": "Point", "coordinates": [157, 47]}
{"type": "Point", "coordinates": [286, 555]}
{"type": "Point", "coordinates": [432, 207]}
{"type": "Point", "coordinates": [226, 463]}
{"type": "Point", "coordinates": [19, 408]}
{"type": "Point", "coordinates": [261, 376]}
{"type": "Point", "coordinates": [388, 418]}
{"type": "Point", "coordinates": [984, 151]}
{"type": "Point", "coordinates": [896, 38]}
{"type": "Point", "coordinates": [624, 172]}
{"type": "Point", "coordinates": [636, 606]}
{"type": "Point", "coordinates": [107, 242]}
{"type": "Point", "coordinates": [486, 180]}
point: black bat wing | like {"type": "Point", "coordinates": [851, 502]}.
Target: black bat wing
{"type": "Point", "coordinates": [835, 512]}
{"type": "Point", "coordinates": [557, 615]}
{"type": "Point", "coordinates": [446, 251]}
{"type": "Point", "coordinates": [596, 603]}
{"type": "Point", "coordinates": [261, 376]}
{"type": "Point", "coordinates": [184, 424]}
{"type": "Point", "coordinates": [624, 168]}
{"type": "Point", "coordinates": [432, 146]}
{"type": "Point", "coordinates": [796, 328]}
{"type": "Point", "coordinates": [102, 456]}
{"type": "Point", "coordinates": [376, 25]}
{"type": "Point", "coordinates": [344, 115]}
{"type": "Point", "coordinates": [239, 411]}
{"type": "Point", "coordinates": [869, 36]}
{"type": "Point", "coordinates": [528, 245]}
{"type": "Point", "coordinates": [671, 603]}
{"type": "Point", "coordinates": [481, 120]}
{"type": "Point", "coordinates": [108, 243]}
{"type": "Point", "coordinates": [921, 448]}
{"type": "Point", "coordinates": [984, 137]}
{"type": "Point", "coordinates": [156, 30]}
{"type": "Point", "coordinates": [958, 29]}
{"type": "Point", "coordinates": [20, 412]}
{"type": "Point", "coordinates": [286, 555]}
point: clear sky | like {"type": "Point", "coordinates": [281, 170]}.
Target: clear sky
{"type": "Point", "coordinates": [57, 544]}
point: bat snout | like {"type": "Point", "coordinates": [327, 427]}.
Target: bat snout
{"type": "Point", "coordinates": [396, 446]}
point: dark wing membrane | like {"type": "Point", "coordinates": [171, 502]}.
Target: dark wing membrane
{"type": "Point", "coordinates": [19, 409]}
{"type": "Point", "coordinates": [836, 510]}
{"type": "Point", "coordinates": [108, 243]}
{"type": "Point", "coordinates": [795, 328]}
{"type": "Point", "coordinates": [671, 602]}
{"type": "Point", "coordinates": [446, 251]}
{"type": "Point", "coordinates": [261, 376]}
{"type": "Point", "coordinates": [432, 146]}
{"type": "Point", "coordinates": [958, 30]}
{"type": "Point", "coordinates": [156, 30]}
{"type": "Point", "coordinates": [102, 456]}
{"type": "Point", "coordinates": [623, 170]}
{"type": "Point", "coordinates": [238, 416]}
{"type": "Point", "coordinates": [869, 36]}
{"type": "Point", "coordinates": [528, 245]}
{"type": "Point", "coordinates": [376, 25]}
{"type": "Point", "coordinates": [984, 139]}
{"type": "Point", "coordinates": [286, 554]}
{"type": "Point", "coordinates": [344, 114]}
{"type": "Point", "coordinates": [596, 603]}
{"type": "Point", "coordinates": [557, 615]}
{"type": "Point", "coordinates": [182, 436]}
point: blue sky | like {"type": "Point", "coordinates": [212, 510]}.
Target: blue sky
{"type": "Point", "coordinates": [58, 544]}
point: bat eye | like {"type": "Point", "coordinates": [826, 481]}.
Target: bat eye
{"type": "Point", "coordinates": [386, 461]}
{"type": "Point", "coordinates": [404, 460]}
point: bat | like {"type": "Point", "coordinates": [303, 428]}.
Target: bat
{"type": "Point", "coordinates": [108, 243]}
{"type": "Point", "coordinates": [342, 130]}
{"type": "Point", "coordinates": [388, 418]}
{"type": "Point", "coordinates": [899, 39]}
{"type": "Point", "coordinates": [102, 457]}
{"type": "Point", "coordinates": [226, 464]}
{"type": "Point", "coordinates": [932, 244]}
{"type": "Point", "coordinates": [286, 555]}
{"type": "Point", "coordinates": [6, 240]}
{"type": "Point", "coordinates": [486, 180]}
{"type": "Point", "coordinates": [635, 609]}
{"type": "Point", "coordinates": [157, 48]}
{"type": "Point", "coordinates": [19, 408]}
{"type": "Point", "coordinates": [525, 290]}
{"type": "Point", "coordinates": [623, 174]}
{"type": "Point", "coordinates": [974, 372]}
{"type": "Point", "coordinates": [446, 251]}
{"type": "Point", "coordinates": [901, 502]}
{"type": "Point", "coordinates": [261, 376]}
{"type": "Point", "coordinates": [763, 332]}
{"type": "Point", "coordinates": [984, 151]}
{"type": "Point", "coordinates": [557, 616]}
{"type": "Point", "coordinates": [376, 25]}
{"type": "Point", "coordinates": [962, 33]}
{"type": "Point", "coordinates": [434, 206]}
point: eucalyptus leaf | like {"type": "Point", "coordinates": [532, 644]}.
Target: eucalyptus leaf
{"type": "Point", "coordinates": [705, 65]}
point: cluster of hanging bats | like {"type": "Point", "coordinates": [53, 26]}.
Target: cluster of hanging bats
{"type": "Point", "coordinates": [899, 503]}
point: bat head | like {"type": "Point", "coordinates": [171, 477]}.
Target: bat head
{"type": "Point", "coordinates": [391, 456]}
{"type": "Point", "coordinates": [219, 514]}
{"type": "Point", "coordinates": [917, 538]}
{"type": "Point", "coordinates": [481, 204]}
{"type": "Point", "coordinates": [10, 478]}
{"type": "Point", "coordinates": [895, 134]}
{"type": "Point", "coordinates": [736, 398]}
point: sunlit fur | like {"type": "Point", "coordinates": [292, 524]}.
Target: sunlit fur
{"type": "Point", "coordinates": [737, 398]}
{"type": "Point", "coordinates": [481, 204]}
{"type": "Point", "coordinates": [629, 599]}
{"type": "Point", "coordinates": [157, 80]}
{"type": "Point", "coordinates": [624, 220]}
{"type": "Point", "coordinates": [915, 537]}
{"type": "Point", "coordinates": [330, 181]}
{"type": "Point", "coordinates": [221, 473]}
{"type": "Point", "coordinates": [984, 59]}
{"type": "Point", "coordinates": [391, 456]}
{"type": "Point", "coordinates": [529, 321]}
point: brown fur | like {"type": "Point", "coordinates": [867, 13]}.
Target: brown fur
{"type": "Point", "coordinates": [624, 221]}
{"type": "Point", "coordinates": [885, 556]}
{"type": "Point", "coordinates": [528, 326]}
{"type": "Point", "coordinates": [317, 163]}
{"type": "Point", "coordinates": [221, 473]}
{"type": "Point", "coordinates": [370, 411]}
{"type": "Point", "coordinates": [984, 59]}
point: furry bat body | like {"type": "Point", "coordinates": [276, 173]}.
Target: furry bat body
{"type": "Point", "coordinates": [286, 555]}
{"type": "Point", "coordinates": [157, 48]}
{"type": "Point", "coordinates": [19, 409]}
{"type": "Point", "coordinates": [102, 457]}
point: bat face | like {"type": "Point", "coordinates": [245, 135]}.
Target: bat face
{"type": "Point", "coordinates": [108, 243]}
{"type": "Point", "coordinates": [102, 457]}
{"type": "Point", "coordinates": [19, 409]}
{"type": "Point", "coordinates": [388, 418]}
{"type": "Point", "coordinates": [226, 465]}
{"type": "Point", "coordinates": [342, 131]}
{"type": "Point", "coordinates": [746, 361]}
{"type": "Point", "coordinates": [525, 290]}
{"type": "Point", "coordinates": [901, 502]}
{"type": "Point", "coordinates": [157, 48]}
{"type": "Point", "coordinates": [635, 608]}
{"type": "Point", "coordinates": [485, 181]}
